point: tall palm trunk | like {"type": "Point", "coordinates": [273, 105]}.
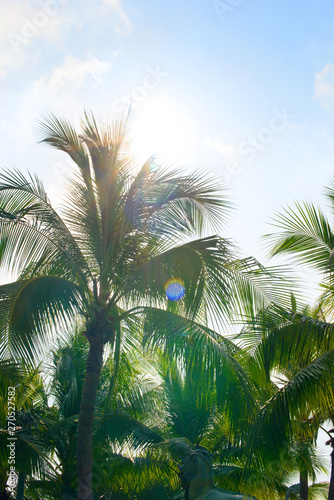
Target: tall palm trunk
{"type": "Point", "coordinates": [20, 486]}
{"type": "Point", "coordinates": [331, 484]}
{"type": "Point", "coordinates": [86, 419]}
{"type": "Point", "coordinates": [303, 478]}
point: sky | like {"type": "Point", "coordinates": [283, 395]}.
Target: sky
{"type": "Point", "coordinates": [242, 88]}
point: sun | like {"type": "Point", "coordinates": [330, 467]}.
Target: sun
{"type": "Point", "coordinates": [163, 128]}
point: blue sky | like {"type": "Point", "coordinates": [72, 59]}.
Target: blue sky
{"type": "Point", "coordinates": [207, 79]}
{"type": "Point", "coordinates": [244, 88]}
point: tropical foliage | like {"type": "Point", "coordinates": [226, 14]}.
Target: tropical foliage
{"type": "Point", "coordinates": [114, 381]}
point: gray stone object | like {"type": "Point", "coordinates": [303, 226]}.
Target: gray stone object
{"type": "Point", "coordinates": [196, 474]}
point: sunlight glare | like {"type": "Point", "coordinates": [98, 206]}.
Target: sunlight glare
{"type": "Point", "coordinates": [163, 128]}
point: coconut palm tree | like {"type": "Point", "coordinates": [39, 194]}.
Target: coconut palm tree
{"type": "Point", "coordinates": [293, 355]}
{"type": "Point", "coordinates": [116, 423]}
{"type": "Point", "coordinates": [121, 234]}
{"type": "Point", "coordinates": [306, 234]}
{"type": "Point", "coordinates": [330, 442]}
{"type": "Point", "coordinates": [24, 402]}
{"type": "Point", "coordinates": [116, 244]}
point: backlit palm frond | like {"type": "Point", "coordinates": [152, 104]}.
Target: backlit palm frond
{"type": "Point", "coordinates": [305, 234]}
{"type": "Point", "coordinates": [255, 286]}
{"type": "Point", "coordinates": [286, 340]}
{"type": "Point", "coordinates": [310, 387]}
{"type": "Point", "coordinates": [189, 203]}
{"type": "Point", "coordinates": [133, 215]}
{"type": "Point", "coordinates": [120, 427]}
{"type": "Point", "coordinates": [189, 396]}
{"type": "Point", "coordinates": [329, 193]}
{"type": "Point", "coordinates": [61, 134]}
{"type": "Point", "coordinates": [318, 491]}
{"type": "Point", "coordinates": [185, 340]}
{"type": "Point", "coordinates": [170, 332]}
{"type": "Point", "coordinates": [31, 231]}
{"type": "Point", "coordinates": [129, 381]}
{"type": "Point", "coordinates": [199, 264]}
{"type": "Point", "coordinates": [105, 145]}
{"type": "Point", "coordinates": [111, 138]}
{"type": "Point", "coordinates": [144, 477]}
{"type": "Point", "coordinates": [84, 221]}
{"type": "Point", "coordinates": [30, 308]}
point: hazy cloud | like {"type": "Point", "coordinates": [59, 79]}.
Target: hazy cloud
{"type": "Point", "coordinates": [73, 73]}
{"type": "Point", "coordinates": [23, 22]}
{"type": "Point", "coordinates": [324, 86]}
{"type": "Point", "coordinates": [63, 91]}
{"type": "Point", "coordinates": [225, 149]}
{"type": "Point", "coordinates": [122, 25]}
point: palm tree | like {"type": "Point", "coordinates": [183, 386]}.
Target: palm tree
{"type": "Point", "coordinates": [306, 233]}
{"type": "Point", "coordinates": [107, 255]}
{"type": "Point", "coordinates": [28, 397]}
{"type": "Point", "coordinates": [293, 354]}
{"type": "Point", "coordinates": [116, 244]}
{"type": "Point", "coordinates": [116, 421]}
{"type": "Point", "coordinates": [330, 442]}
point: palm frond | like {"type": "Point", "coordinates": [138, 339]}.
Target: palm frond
{"type": "Point", "coordinates": [305, 234]}
{"type": "Point", "coordinates": [310, 387]}
{"type": "Point", "coordinates": [200, 265]}
{"type": "Point", "coordinates": [177, 202]}
{"type": "Point", "coordinates": [31, 308]}
{"type": "Point", "coordinates": [32, 233]}
{"type": "Point", "coordinates": [285, 339]}
{"type": "Point", "coordinates": [180, 337]}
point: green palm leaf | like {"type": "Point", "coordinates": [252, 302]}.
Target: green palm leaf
{"type": "Point", "coordinates": [306, 234]}
{"type": "Point", "coordinates": [29, 309]}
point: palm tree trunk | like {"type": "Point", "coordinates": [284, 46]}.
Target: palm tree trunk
{"type": "Point", "coordinates": [331, 484]}
{"type": "Point", "coordinates": [20, 486]}
{"type": "Point", "coordinates": [86, 419]}
{"type": "Point", "coordinates": [303, 477]}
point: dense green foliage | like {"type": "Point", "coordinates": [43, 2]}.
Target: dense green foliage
{"type": "Point", "coordinates": [113, 381]}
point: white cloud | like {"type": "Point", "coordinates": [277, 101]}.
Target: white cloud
{"type": "Point", "coordinates": [63, 91]}
{"type": "Point", "coordinates": [72, 75]}
{"type": "Point", "coordinates": [227, 150]}
{"type": "Point", "coordinates": [7, 59]}
{"type": "Point", "coordinates": [324, 86]}
{"type": "Point", "coordinates": [62, 88]}
{"type": "Point", "coordinates": [23, 22]}
{"type": "Point", "coordinates": [123, 28]}
{"type": "Point", "coordinates": [66, 90]}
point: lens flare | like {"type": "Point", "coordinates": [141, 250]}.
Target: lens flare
{"type": "Point", "coordinates": [174, 289]}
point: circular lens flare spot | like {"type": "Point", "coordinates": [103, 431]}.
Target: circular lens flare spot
{"type": "Point", "coordinates": [175, 289]}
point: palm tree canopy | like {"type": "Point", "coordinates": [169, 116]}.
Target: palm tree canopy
{"type": "Point", "coordinates": [123, 232]}
{"type": "Point", "coordinates": [116, 242]}
{"type": "Point", "coordinates": [305, 232]}
{"type": "Point", "coordinates": [107, 254]}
